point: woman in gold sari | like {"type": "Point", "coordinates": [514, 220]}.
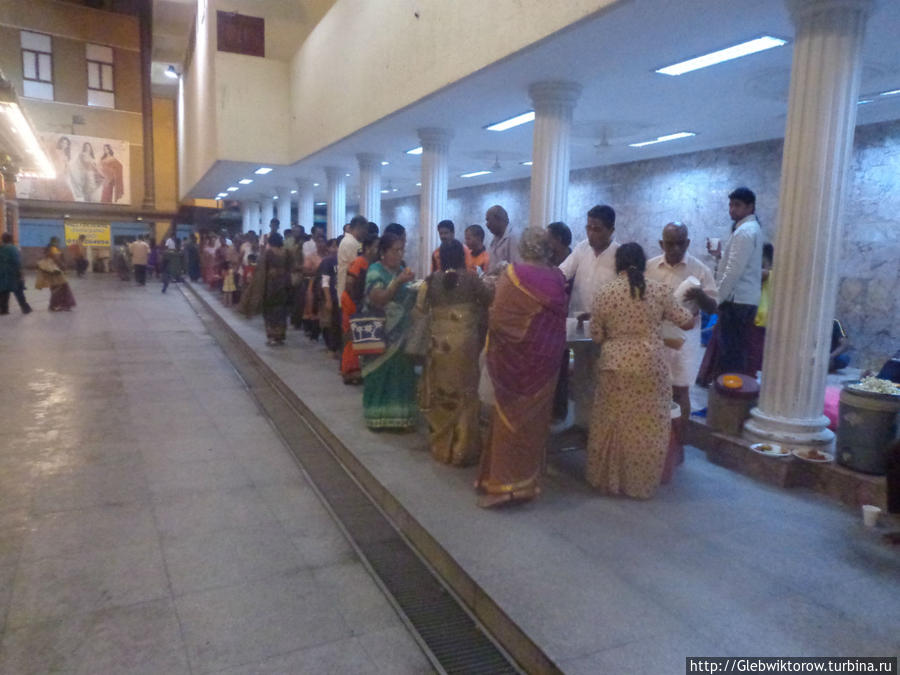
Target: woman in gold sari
{"type": "Point", "coordinates": [454, 302]}
{"type": "Point", "coordinates": [50, 275]}
{"type": "Point", "coordinates": [526, 335]}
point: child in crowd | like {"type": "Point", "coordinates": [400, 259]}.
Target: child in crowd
{"type": "Point", "coordinates": [228, 285]}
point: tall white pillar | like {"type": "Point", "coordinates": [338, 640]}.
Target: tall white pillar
{"type": "Point", "coordinates": [817, 145]}
{"type": "Point", "coordinates": [553, 105]}
{"type": "Point", "coordinates": [267, 211]}
{"type": "Point", "coordinates": [337, 201]}
{"type": "Point", "coordinates": [284, 207]}
{"type": "Point", "coordinates": [433, 200]}
{"type": "Point", "coordinates": [245, 217]}
{"type": "Point", "coordinates": [306, 207]}
{"type": "Point", "coordinates": [370, 186]}
{"type": "Point", "coordinates": [254, 217]}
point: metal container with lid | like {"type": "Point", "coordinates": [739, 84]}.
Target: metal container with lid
{"type": "Point", "coordinates": [867, 426]}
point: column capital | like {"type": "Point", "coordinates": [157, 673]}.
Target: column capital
{"type": "Point", "coordinates": [304, 183]}
{"type": "Point", "coordinates": [369, 160]}
{"type": "Point", "coordinates": [554, 93]}
{"type": "Point", "coordinates": [434, 138]}
{"type": "Point", "coordinates": [804, 10]}
{"type": "Point", "coordinates": [334, 172]}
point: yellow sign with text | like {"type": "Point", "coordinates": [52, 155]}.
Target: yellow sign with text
{"type": "Point", "coordinates": [95, 233]}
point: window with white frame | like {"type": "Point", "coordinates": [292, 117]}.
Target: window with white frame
{"type": "Point", "coordinates": [37, 65]}
{"type": "Point", "coordinates": [101, 85]}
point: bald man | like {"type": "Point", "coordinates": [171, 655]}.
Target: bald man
{"type": "Point", "coordinates": [504, 247]}
{"type": "Point", "coordinates": [671, 268]}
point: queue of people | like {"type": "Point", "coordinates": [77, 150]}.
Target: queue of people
{"type": "Point", "coordinates": [487, 329]}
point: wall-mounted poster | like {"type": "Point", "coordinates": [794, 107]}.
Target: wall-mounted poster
{"type": "Point", "coordinates": [95, 233]}
{"type": "Point", "coordinates": [88, 169]}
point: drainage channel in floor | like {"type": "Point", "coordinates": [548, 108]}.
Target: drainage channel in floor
{"type": "Point", "coordinates": [453, 640]}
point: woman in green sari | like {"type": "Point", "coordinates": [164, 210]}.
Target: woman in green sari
{"type": "Point", "coordinates": [389, 381]}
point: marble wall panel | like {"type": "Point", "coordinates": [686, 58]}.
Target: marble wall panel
{"type": "Point", "coordinates": [694, 188]}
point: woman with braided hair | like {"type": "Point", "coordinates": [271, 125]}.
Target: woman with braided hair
{"type": "Point", "coordinates": [630, 422]}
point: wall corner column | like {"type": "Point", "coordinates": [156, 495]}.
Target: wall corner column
{"type": "Point", "coordinates": [554, 103]}
{"type": "Point", "coordinates": [370, 185]}
{"type": "Point", "coordinates": [433, 199]}
{"type": "Point", "coordinates": [817, 148]}
{"type": "Point", "coordinates": [337, 201]}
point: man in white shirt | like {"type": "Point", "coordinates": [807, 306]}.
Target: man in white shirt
{"type": "Point", "coordinates": [348, 250]}
{"type": "Point", "coordinates": [672, 268]}
{"type": "Point", "coordinates": [593, 261]}
{"type": "Point", "coordinates": [140, 253]}
{"type": "Point", "coordinates": [504, 246]}
{"type": "Point", "coordinates": [738, 277]}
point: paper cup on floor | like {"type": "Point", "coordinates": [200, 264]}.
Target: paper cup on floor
{"type": "Point", "coordinates": [870, 515]}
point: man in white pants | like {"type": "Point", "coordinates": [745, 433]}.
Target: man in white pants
{"type": "Point", "coordinates": [672, 268]}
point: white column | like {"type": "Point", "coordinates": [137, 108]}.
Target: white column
{"type": "Point", "coordinates": [817, 147]}
{"type": "Point", "coordinates": [433, 200]}
{"type": "Point", "coordinates": [370, 186]}
{"type": "Point", "coordinates": [245, 217]}
{"type": "Point", "coordinates": [553, 105]}
{"type": "Point", "coordinates": [254, 217]}
{"type": "Point", "coordinates": [306, 204]}
{"type": "Point", "coordinates": [337, 201]}
{"type": "Point", "coordinates": [267, 211]}
{"type": "Point", "coordinates": [284, 207]}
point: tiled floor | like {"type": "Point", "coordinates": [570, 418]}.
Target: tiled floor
{"type": "Point", "coordinates": [715, 564]}
{"type": "Point", "coordinates": [151, 520]}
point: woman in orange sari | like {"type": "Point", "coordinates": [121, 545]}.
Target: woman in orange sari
{"type": "Point", "coordinates": [526, 335]}
{"type": "Point", "coordinates": [350, 302]}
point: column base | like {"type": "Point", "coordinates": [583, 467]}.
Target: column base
{"type": "Point", "coordinates": [789, 432]}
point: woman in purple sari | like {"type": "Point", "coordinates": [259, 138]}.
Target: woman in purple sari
{"type": "Point", "coordinates": [526, 335]}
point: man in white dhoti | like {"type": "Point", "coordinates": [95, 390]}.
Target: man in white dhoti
{"type": "Point", "coordinates": [673, 268]}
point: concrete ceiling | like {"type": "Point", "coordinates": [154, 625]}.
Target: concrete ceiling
{"type": "Point", "coordinates": [613, 56]}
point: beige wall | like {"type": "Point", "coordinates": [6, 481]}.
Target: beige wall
{"type": "Point", "coordinates": [69, 71]}
{"type": "Point", "coordinates": [252, 109]}
{"type": "Point", "coordinates": [127, 79]}
{"type": "Point", "coordinates": [197, 137]}
{"type": "Point", "coordinates": [367, 59]}
{"type": "Point", "coordinates": [164, 159]}
{"type": "Point", "coordinates": [69, 20]}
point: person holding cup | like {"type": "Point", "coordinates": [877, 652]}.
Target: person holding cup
{"type": "Point", "coordinates": [673, 268]}
{"type": "Point", "coordinates": [738, 276]}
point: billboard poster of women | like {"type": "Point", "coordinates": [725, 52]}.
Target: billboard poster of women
{"type": "Point", "coordinates": [88, 169]}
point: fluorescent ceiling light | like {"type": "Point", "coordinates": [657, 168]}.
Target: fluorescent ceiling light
{"type": "Point", "coordinates": [233, 189]}
{"type": "Point", "coordinates": [663, 139]}
{"type": "Point", "coordinates": [524, 118]}
{"type": "Point", "coordinates": [385, 191]}
{"type": "Point", "coordinates": [263, 170]}
{"type": "Point", "coordinates": [415, 151]}
{"type": "Point", "coordinates": [275, 197]}
{"type": "Point", "coordinates": [293, 192]}
{"type": "Point", "coordinates": [245, 181]}
{"type": "Point", "coordinates": [472, 174]}
{"type": "Point", "coordinates": [418, 185]}
{"type": "Point", "coordinates": [892, 92]}
{"type": "Point", "coordinates": [171, 72]}
{"type": "Point", "coordinates": [394, 189]}
{"type": "Point", "coordinates": [320, 203]}
{"type": "Point", "coordinates": [528, 163]}
{"type": "Point", "coordinates": [734, 52]}
{"type": "Point", "coordinates": [383, 163]}
{"type": "Point", "coordinates": [347, 175]}
{"type": "Point", "coordinates": [863, 101]}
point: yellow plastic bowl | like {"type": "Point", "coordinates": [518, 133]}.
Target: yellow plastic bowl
{"type": "Point", "coordinates": [733, 381]}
